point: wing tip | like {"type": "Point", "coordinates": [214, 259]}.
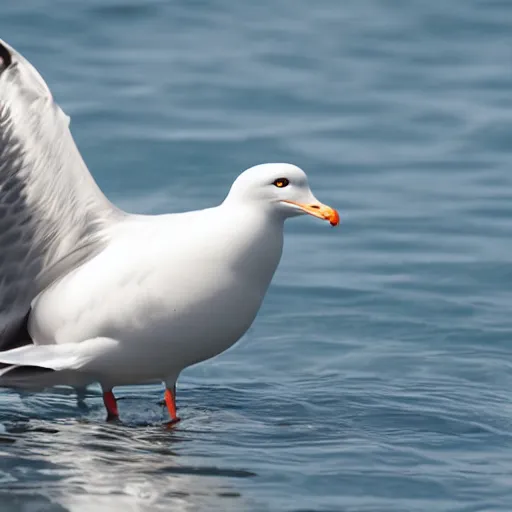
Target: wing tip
{"type": "Point", "coordinates": [27, 73]}
{"type": "Point", "coordinates": [5, 56]}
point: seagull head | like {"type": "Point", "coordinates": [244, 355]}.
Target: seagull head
{"type": "Point", "coordinates": [282, 189]}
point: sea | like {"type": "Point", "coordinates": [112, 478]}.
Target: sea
{"type": "Point", "coordinates": [377, 376]}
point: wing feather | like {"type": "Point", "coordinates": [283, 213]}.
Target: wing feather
{"type": "Point", "coordinates": [50, 206]}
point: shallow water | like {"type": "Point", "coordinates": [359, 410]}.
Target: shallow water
{"type": "Point", "coordinates": [377, 376]}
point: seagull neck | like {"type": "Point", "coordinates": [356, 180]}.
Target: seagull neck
{"type": "Point", "coordinates": [254, 218]}
{"type": "Point", "coordinates": [255, 210]}
{"type": "Point", "coordinates": [255, 238]}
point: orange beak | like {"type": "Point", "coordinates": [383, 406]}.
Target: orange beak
{"type": "Point", "coordinates": [322, 211]}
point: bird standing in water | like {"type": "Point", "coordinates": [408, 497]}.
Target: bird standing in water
{"type": "Point", "coordinates": [89, 293]}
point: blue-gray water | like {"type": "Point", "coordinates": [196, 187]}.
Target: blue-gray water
{"type": "Point", "coordinates": [378, 375]}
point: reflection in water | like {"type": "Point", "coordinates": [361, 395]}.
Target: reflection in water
{"type": "Point", "coordinates": [86, 464]}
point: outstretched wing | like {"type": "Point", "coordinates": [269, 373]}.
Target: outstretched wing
{"type": "Point", "coordinates": [53, 216]}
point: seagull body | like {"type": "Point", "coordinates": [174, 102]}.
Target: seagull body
{"type": "Point", "coordinates": [89, 293]}
{"type": "Point", "coordinates": [148, 316]}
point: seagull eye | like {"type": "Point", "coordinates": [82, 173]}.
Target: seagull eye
{"type": "Point", "coordinates": [281, 182]}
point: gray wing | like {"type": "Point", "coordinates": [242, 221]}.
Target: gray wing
{"type": "Point", "coordinates": [53, 216]}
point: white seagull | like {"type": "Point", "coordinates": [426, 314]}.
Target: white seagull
{"type": "Point", "coordinates": [89, 293]}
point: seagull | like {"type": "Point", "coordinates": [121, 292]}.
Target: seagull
{"type": "Point", "coordinates": [92, 294]}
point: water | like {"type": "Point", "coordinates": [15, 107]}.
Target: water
{"type": "Point", "coordinates": [378, 374]}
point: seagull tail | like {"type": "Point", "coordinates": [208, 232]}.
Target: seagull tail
{"type": "Point", "coordinates": [33, 367]}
